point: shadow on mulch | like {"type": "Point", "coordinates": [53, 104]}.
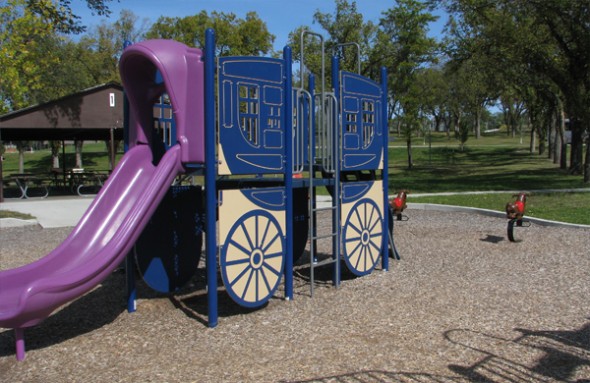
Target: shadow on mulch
{"type": "Point", "coordinates": [384, 376]}
{"type": "Point", "coordinates": [106, 302]}
{"type": "Point", "coordinates": [92, 311]}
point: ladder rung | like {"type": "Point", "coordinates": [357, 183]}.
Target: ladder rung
{"type": "Point", "coordinates": [323, 236]}
{"type": "Point", "coordinates": [324, 262]}
{"type": "Point", "coordinates": [325, 208]}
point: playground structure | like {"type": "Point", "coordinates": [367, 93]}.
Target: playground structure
{"type": "Point", "coordinates": [515, 213]}
{"type": "Point", "coordinates": [261, 147]}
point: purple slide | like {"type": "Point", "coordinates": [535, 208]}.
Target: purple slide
{"type": "Point", "coordinates": [96, 246]}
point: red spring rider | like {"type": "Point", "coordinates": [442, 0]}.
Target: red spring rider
{"type": "Point", "coordinates": [515, 210]}
{"type": "Point", "coordinates": [398, 204]}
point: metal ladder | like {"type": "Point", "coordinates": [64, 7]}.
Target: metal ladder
{"type": "Point", "coordinates": [323, 153]}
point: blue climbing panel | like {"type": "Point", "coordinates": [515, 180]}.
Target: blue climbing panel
{"type": "Point", "coordinates": [251, 115]}
{"type": "Point", "coordinates": [362, 125]}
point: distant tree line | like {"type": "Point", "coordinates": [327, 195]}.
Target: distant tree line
{"type": "Point", "coordinates": [527, 58]}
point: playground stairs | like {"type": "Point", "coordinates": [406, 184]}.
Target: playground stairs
{"type": "Point", "coordinates": [331, 236]}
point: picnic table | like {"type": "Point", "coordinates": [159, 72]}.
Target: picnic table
{"type": "Point", "coordinates": [86, 183]}
{"type": "Point", "coordinates": [25, 180]}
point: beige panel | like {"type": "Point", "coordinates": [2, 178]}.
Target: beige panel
{"type": "Point", "coordinates": [234, 205]}
{"type": "Point", "coordinates": [375, 193]}
{"type": "Point", "coordinates": [222, 168]}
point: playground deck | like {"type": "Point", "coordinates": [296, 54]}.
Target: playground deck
{"type": "Point", "coordinates": [463, 304]}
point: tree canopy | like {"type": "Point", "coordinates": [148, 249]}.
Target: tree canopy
{"type": "Point", "coordinates": [530, 58]}
{"type": "Point", "coordinates": [234, 36]}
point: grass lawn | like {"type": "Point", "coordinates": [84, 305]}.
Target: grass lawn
{"type": "Point", "coordinates": [94, 157]}
{"type": "Point", "coordinates": [563, 207]}
{"type": "Point", "coordinates": [14, 214]}
{"type": "Point", "coordinates": [495, 162]}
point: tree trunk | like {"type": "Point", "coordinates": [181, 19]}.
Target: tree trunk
{"type": "Point", "coordinates": [55, 146]}
{"type": "Point", "coordinates": [533, 143]}
{"type": "Point", "coordinates": [558, 142]}
{"type": "Point", "coordinates": [78, 145]}
{"type": "Point", "coordinates": [477, 123]}
{"type": "Point", "coordinates": [409, 145]}
{"type": "Point", "coordinates": [576, 155]}
{"type": "Point", "coordinates": [542, 146]}
{"type": "Point", "coordinates": [587, 161]}
{"type": "Point", "coordinates": [21, 159]}
{"type": "Point", "coordinates": [551, 140]}
{"type": "Point", "coordinates": [562, 144]}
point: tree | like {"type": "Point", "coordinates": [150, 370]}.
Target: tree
{"type": "Point", "coordinates": [345, 28]}
{"type": "Point", "coordinates": [58, 13]}
{"type": "Point", "coordinates": [235, 36]}
{"type": "Point", "coordinates": [548, 39]}
{"type": "Point", "coordinates": [404, 47]}
{"type": "Point", "coordinates": [23, 54]}
{"type": "Point", "coordinates": [434, 95]}
{"type": "Point", "coordinates": [39, 63]}
{"type": "Point", "coordinates": [31, 54]}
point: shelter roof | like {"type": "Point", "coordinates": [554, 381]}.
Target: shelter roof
{"type": "Point", "coordinates": [86, 115]}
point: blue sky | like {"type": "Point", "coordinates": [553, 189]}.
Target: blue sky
{"type": "Point", "coordinates": [281, 16]}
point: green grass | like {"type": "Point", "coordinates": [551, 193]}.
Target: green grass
{"type": "Point", "coordinates": [477, 168]}
{"type": "Point", "coordinates": [94, 157]}
{"type": "Point", "coordinates": [497, 162]}
{"type": "Point", "coordinates": [14, 214]}
{"type": "Point", "coordinates": [494, 162]}
{"type": "Point", "coordinates": [563, 207]}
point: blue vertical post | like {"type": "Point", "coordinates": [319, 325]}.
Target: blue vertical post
{"type": "Point", "coordinates": [129, 264]}
{"type": "Point", "coordinates": [210, 179]}
{"type": "Point", "coordinates": [288, 172]}
{"type": "Point", "coordinates": [336, 147]}
{"type": "Point", "coordinates": [385, 124]}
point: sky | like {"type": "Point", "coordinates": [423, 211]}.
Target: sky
{"type": "Point", "coordinates": [280, 16]}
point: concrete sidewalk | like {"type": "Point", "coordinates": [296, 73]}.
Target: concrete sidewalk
{"type": "Point", "coordinates": [48, 212]}
{"type": "Point", "coordinates": [66, 211]}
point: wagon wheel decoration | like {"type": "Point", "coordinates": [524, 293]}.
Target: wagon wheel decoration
{"type": "Point", "coordinates": [363, 237]}
{"type": "Point", "coordinates": [252, 258]}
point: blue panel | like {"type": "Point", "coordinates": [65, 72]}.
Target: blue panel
{"type": "Point", "coordinates": [352, 191]}
{"type": "Point", "coordinates": [169, 248]}
{"type": "Point", "coordinates": [362, 123]}
{"type": "Point", "coordinates": [252, 113]}
{"type": "Point", "coordinates": [351, 141]}
{"type": "Point", "coordinates": [164, 122]}
{"type": "Point", "coordinates": [267, 198]}
{"type": "Point", "coordinates": [268, 70]}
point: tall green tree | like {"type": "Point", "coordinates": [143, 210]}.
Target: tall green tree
{"type": "Point", "coordinates": [345, 34]}
{"type": "Point", "coordinates": [549, 39]}
{"type": "Point", "coordinates": [403, 46]}
{"type": "Point", "coordinates": [58, 13]}
{"type": "Point", "coordinates": [234, 36]}
{"type": "Point", "coordinates": [32, 34]}
{"type": "Point", "coordinates": [24, 54]}
{"type": "Point", "coordinates": [346, 28]}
